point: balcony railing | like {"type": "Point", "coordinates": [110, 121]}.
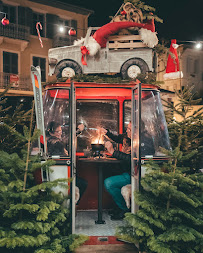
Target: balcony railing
{"type": "Point", "coordinates": [63, 40]}
{"type": "Point", "coordinates": [15, 31]}
{"type": "Point", "coordinates": [17, 82]}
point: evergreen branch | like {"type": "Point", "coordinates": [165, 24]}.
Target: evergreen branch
{"type": "Point", "coordinates": [179, 233]}
{"type": "Point", "coordinates": [156, 245]}
{"type": "Point", "coordinates": [146, 216]}
{"type": "Point", "coordinates": [32, 226]}
{"type": "Point", "coordinates": [24, 241]}
{"type": "Point", "coordinates": [15, 208]}
{"type": "Point", "coordinates": [139, 224]}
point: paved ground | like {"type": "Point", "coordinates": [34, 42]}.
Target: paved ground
{"type": "Point", "coordinates": [110, 248]}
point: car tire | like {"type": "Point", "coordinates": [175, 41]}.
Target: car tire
{"type": "Point", "coordinates": [67, 69]}
{"type": "Point", "coordinates": [131, 68]}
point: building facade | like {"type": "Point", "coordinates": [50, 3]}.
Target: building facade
{"type": "Point", "coordinates": [19, 43]}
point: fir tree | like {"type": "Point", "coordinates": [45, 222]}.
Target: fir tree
{"type": "Point", "coordinates": [170, 215]}
{"type": "Point", "coordinates": [186, 128]}
{"type": "Point", "coordinates": [146, 9]}
{"type": "Point", "coordinates": [31, 215]}
{"type": "Point", "coordinates": [33, 218]}
{"type": "Point", "coordinates": [12, 119]}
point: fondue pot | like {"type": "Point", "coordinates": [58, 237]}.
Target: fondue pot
{"type": "Point", "coordinates": [96, 148]}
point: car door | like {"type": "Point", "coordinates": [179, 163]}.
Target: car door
{"type": "Point", "coordinates": [97, 63]}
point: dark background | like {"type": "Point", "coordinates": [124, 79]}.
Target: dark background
{"type": "Point", "coordinates": [183, 19]}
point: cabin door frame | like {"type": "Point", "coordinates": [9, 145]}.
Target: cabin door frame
{"type": "Point", "coordinates": [135, 143]}
{"type": "Point", "coordinates": [73, 152]}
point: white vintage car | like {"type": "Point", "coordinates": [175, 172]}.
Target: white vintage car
{"type": "Point", "coordinates": [124, 54]}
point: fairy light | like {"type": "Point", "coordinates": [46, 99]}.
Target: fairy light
{"type": "Point", "coordinates": [198, 45]}
{"type": "Point", "coordinates": [61, 29]}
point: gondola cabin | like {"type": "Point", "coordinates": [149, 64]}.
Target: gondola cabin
{"type": "Point", "coordinates": [110, 106]}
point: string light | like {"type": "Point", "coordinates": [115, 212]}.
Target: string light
{"type": "Point", "coordinates": [61, 29]}
{"type": "Point", "coordinates": [71, 30]}
{"type": "Point", "coordinates": [198, 44]}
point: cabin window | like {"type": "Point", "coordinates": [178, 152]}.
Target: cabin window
{"type": "Point", "coordinates": [94, 114]}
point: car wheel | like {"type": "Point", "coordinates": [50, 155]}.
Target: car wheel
{"type": "Point", "coordinates": [133, 67]}
{"type": "Point", "coordinates": [67, 69]}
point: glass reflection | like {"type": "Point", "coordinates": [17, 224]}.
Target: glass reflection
{"type": "Point", "coordinates": [154, 132]}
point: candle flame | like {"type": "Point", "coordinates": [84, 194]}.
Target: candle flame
{"type": "Point", "coordinates": [98, 141]}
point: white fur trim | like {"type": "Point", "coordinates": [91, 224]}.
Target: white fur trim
{"type": "Point", "coordinates": [79, 42]}
{"type": "Point", "coordinates": [148, 37]}
{"type": "Point", "coordinates": [173, 75]}
{"type": "Point", "coordinates": [77, 194]}
{"type": "Point", "coordinates": [126, 193]}
{"type": "Point", "coordinates": [93, 46]}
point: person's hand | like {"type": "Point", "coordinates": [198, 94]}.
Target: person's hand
{"type": "Point", "coordinates": [66, 152]}
{"type": "Point", "coordinates": [109, 147]}
{"type": "Point", "coordinates": [81, 127]}
{"type": "Point", "coordinates": [101, 131]}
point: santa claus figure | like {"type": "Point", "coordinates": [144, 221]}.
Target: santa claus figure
{"type": "Point", "coordinates": [173, 68]}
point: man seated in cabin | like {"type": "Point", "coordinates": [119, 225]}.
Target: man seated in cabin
{"type": "Point", "coordinates": [114, 184]}
{"type": "Point", "coordinates": [56, 146]}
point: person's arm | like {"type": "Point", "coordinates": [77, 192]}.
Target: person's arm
{"type": "Point", "coordinates": [79, 129]}
{"type": "Point", "coordinates": [117, 154]}
{"type": "Point", "coordinates": [117, 138]}
{"type": "Point", "coordinates": [121, 156]}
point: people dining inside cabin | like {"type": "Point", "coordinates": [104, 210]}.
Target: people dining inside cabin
{"type": "Point", "coordinates": [114, 184]}
{"type": "Point", "coordinates": [56, 147]}
{"type": "Point", "coordinates": [55, 144]}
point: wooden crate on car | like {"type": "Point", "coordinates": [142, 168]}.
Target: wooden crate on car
{"type": "Point", "coordinates": [125, 41]}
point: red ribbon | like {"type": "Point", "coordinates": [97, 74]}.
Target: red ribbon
{"type": "Point", "coordinates": [84, 52]}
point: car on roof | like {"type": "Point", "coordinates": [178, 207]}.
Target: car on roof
{"type": "Point", "coordinates": [124, 54]}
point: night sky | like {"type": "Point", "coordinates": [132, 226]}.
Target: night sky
{"type": "Point", "coordinates": [183, 19]}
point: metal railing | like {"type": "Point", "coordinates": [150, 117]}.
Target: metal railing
{"type": "Point", "coordinates": [20, 82]}
{"type": "Point", "coordinates": [15, 31]}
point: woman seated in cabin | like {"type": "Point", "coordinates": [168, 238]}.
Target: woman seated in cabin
{"type": "Point", "coordinates": [114, 184]}
{"type": "Point", "coordinates": [56, 146]}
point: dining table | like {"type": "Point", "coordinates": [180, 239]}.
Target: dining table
{"type": "Point", "coordinates": [101, 163]}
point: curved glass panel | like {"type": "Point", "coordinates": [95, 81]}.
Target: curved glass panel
{"type": "Point", "coordinates": [153, 123]}
{"type": "Point", "coordinates": [56, 109]}
{"type": "Point", "coordinates": [154, 132]}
